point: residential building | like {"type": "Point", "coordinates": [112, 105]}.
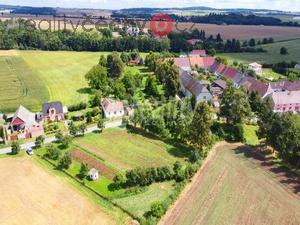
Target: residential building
{"type": "Point", "coordinates": [193, 41]}
{"type": "Point", "coordinates": [257, 68]}
{"type": "Point", "coordinates": [217, 87]}
{"type": "Point", "coordinates": [53, 111]}
{"type": "Point", "coordinates": [24, 125]}
{"type": "Point", "coordinates": [198, 52]}
{"type": "Point", "coordinates": [285, 101]}
{"type": "Point", "coordinates": [112, 108]}
{"type": "Point", "coordinates": [191, 86]}
{"type": "Point", "coordinates": [297, 66]}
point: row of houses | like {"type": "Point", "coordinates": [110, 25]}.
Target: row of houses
{"type": "Point", "coordinates": [24, 124]}
{"type": "Point", "coordinates": [284, 95]}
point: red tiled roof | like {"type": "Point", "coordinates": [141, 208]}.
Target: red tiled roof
{"type": "Point", "coordinates": [230, 73]}
{"type": "Point", "coordinates": [110, 106]}
{"type": "Point", "coordinates": [182, 62]}
{"type": "Point", "coordinates": [253, 85]}
{"type": "Point", "coordinates": [201, 62]}
{"type": "Point", "coordinates": [198, 52]}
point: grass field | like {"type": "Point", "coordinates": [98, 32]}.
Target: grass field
{"type": "Point", "coordinates": [271, 56]}
{"type": "Point", "coordinates": [250, 134]}
{"type": "Point", "coordinates": [34, 77]}
{"type": "Point", "coordinates": [237, 186]}
{"type": "Point", "coordinates": [141, 203]}
{"type": "Point", "coordinates": [29, 195]}
{"type": "Point", "coordinates": [129, 150]}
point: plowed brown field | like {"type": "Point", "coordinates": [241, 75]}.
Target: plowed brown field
{"type": "Point", "coordinates": [238, 186]}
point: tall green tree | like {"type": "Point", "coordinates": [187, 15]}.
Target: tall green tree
{"type": "Point", "coordinates": [115, 65]}
{"type": "Point", "coordinates": [200, 134]}
{"type": "Point", "coordinates": [234, 105]}
{"type": "Point", "coordinates": [97, 78]}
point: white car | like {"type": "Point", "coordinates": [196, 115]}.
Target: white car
{"type": "Point", "coordinates": [29, 151]}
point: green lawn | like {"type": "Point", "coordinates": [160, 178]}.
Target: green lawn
{"type": "Point", "coordinates": [250, 134]}
{"type": "Point", "coordinates": [140, 203]}
{"type": "Point", "coordinates": [270, 75]}
{"type": "Point", "coordinates": [271, 56]}
{"type": "Point", "coordinates": [129, 150]}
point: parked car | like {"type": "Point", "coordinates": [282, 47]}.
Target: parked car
{"type": "Point", "coordinates": [29, 151]}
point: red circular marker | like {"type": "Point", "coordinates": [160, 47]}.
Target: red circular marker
{"type": "Point", "coordinates": [161, 24]}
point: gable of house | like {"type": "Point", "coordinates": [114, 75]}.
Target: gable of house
{"type": "Point", "coordinates": [57, 106]}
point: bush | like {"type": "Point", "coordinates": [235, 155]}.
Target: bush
{"type": "Point", "coordinates": [65, 161]}
{"type": "Point", "coordinates": [15, 148]}
{"type": "Point", "coordinates": [77, 107]}
{"type": "Point", "coordinates": [52, 152]}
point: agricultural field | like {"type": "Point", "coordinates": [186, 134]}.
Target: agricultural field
{"type": "Point", "coordinates": [127, 150]}
{"type": "Point", "coordinates": [271, 56]}
{"type": "Point", "coordinates": [30, 195]}
{"type": "Point", "coordinates": [31, 78]}
{"type": "Point", "coordinates": [18, 84]}
{"type": "Point", "coordinates": [238, 186]}
{"type": "Point", "coordinates": [242, 32]}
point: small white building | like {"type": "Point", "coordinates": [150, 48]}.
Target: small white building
{"type": "Point", "coordinates": [257, 68]}
{"type": "Point", "coordinates": [93, 174]}
{"type": "Point", "coordinates": [297, 66]}
{"type": "Point", "coordinates": [112, 109]}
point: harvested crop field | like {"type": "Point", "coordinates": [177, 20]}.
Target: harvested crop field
{"type": "Point", "coordinates": [30, 195]}
{"type": "Point", "coordinates": [93, 163]}
{"type": "Point", "coordinates": [243, 32]}
{"type": "Point", "coordinates": [238, 186]}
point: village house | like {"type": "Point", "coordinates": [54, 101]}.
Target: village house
{"type": "Point", "coordinates": [297, 66]}
{"type": "Point", "coordinates": [136, 62]}
{"type": "Point", "coordinates": [191, 86]}
{"type": "Point", "coordinates": [193, 41]}
{"type": "Point", "coordinates": [53, 111]}
{"type": "Point", "coordinates": [198, 52]}
{"type": "Point", "coordinates": [285, 101]}
{"type": "Point", "coordinates": [112, 109]}
{"type": "Point", "coordinates": [217, 87]}
{"type": "Point", "coordinates": [257, 68]}
{"type": "Point", "coordinates": [24, 125]}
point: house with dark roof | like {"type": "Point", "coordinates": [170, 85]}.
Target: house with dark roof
{"type": "Point", "coordinates": [112, 108]}
{"type": "Point", "coordinates": [24, 125]}
{"type": "Point", "coordinates": [53, 111]}
{"type": "Point", "coordinates": [191, 86]}
{"type": "Point", "coordinates": [217, 87]}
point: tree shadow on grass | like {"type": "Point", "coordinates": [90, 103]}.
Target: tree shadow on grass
{"type": "Point", "coordinates": [283, 174]}
{"type": "Point", "coordinates": [85, 91]}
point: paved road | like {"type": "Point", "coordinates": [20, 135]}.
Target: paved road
{"type": "Point", "coordinates": [53, 139]}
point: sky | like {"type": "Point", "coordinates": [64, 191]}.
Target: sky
{"type": "Point", "coordinates": [287, 5]}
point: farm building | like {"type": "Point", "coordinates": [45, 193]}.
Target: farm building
{"type": "Point", "coordinates": [93, 174]}
{"type": "Point", "coordinates": [190, 86]}
{"type": "Point", "coordinates": [112, 109]}
{"type": "Point", "coordinates": [53, 111]}
{"type": "Point", "coordinates": [257, 68]}
{"type": "Point", "coordinates": [24, 125]}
